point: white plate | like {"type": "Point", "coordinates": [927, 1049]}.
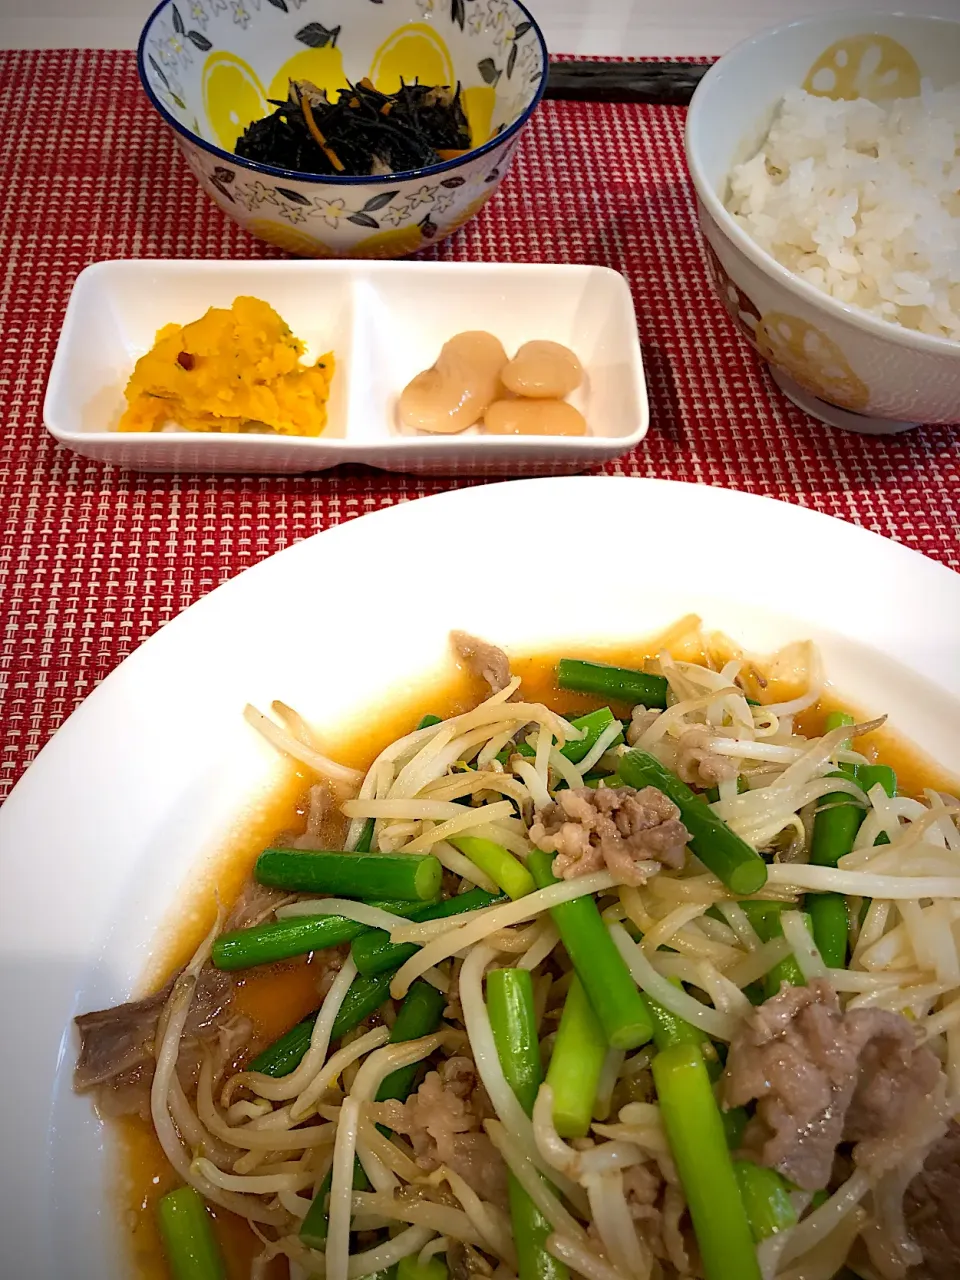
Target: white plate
{"type": "Point", "coordinates": [126, 802]}
{"type": "Point", "coordinates": [385, 322]}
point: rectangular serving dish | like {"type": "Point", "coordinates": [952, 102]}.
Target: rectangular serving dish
{"type": "Point", "coordinates": [385, 322]}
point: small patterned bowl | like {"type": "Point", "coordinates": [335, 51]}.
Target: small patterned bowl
{"type": "Point", "coordinates": [211, 67]}
{"type": "Point", "coordinates": [841, 364]}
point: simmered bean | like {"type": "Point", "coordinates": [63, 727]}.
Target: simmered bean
{"type": "Point", "coordinates": [544, 371]}
{"type": "Point", "coordinates": [455, 393]}
{"type": "Point", "coordinates": [534, 418]}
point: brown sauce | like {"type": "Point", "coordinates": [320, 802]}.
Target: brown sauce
{"type": "Point", "coordinates": [277, 999]}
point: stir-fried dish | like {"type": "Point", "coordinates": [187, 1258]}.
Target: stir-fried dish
{"type": "Point", "coordinates": [624, 996]}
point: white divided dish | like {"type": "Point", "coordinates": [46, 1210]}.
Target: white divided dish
{"type": "Point", "coordinates": [384, 322]}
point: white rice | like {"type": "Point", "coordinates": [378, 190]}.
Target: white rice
{"type": "Point", "coordinates": [863, 201]}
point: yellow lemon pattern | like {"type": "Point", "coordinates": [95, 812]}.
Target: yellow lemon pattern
{"type": "Point", "coordinates": [867, 66]}
{"type": "Point", "coordinates": [322, 67]}
{"type": "Point", "coordinates": [292, 239]}
{"type": "Point", "coordinates": [479, 103]}
{"type": "Point", "coordinates": [413, 52]}
{"type": "Point", "coordinates": [390, 244]}
{"type": "Point", "coordinates": [811, 359]}
{"type": "Point", "coordinates": [233, 97]}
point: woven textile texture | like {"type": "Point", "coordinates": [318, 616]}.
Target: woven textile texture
{"type": "Point", "coordinates": [93, 560]}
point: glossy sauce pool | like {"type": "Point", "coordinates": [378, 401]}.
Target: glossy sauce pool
{"type": "Point", "coordinates": [277, 999]}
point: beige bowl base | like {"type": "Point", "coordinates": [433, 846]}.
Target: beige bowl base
{"type": "Point", "coordinates": [832, 414]}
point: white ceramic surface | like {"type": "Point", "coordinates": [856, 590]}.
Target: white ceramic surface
{"type": "Point", "coordinates": [133, 795]}
{"type": "Point", "coordinates": [385, 322]}
{"type": "Point", "coordinates": [210, 69]}
{"type": "Point", "coordinates": [843, 355]}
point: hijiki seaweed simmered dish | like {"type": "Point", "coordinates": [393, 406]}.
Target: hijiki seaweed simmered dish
{"type": "Point", "coordinates": [361, 132]}
{"type": "Point", "coordinates": [673, 994]}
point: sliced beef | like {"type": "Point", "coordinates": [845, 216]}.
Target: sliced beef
{"type": "Point", "coordinates": [465, 1262]}
{"type": "Point", "coordinates": [820, 1076]}
{"type": "Point", "coordinates": [443, 1122]}
{"type": "Point", "coordinates": [482, 659]}
{"type": "Point", "coordinates": [640, 721]}
{"type": "Point", "coordinates": [660, 1214]}
{"type": "Point", "coordinates": [117, 1045]}
{"type": "Point", "coordinates": [697, 765]}
{"type": "Point", "coordinates": [116, 1041]}
{"type": "Point", "coordinates": [256, 903]}
{"type": "Point", "coordinates": [613, 827]}
{"type": "Point", "coordinates": [932, 1210]}
{"type": "Point", "coordinates": [457, 1261]}
{"type": "Point", "coordinates": [326, 965]}
{"type": "Point", "coordinates": [322, 816]}
{"type": "Point", "coordinates": [323, 825]}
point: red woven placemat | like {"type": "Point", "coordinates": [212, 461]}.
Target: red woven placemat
{"type": "Point", "coordinates": [93, 560]}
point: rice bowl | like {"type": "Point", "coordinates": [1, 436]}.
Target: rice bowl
{"type": "Point", "coordinates": [862, 200]}
{"type": "Point", "coordinates": [876, 354]}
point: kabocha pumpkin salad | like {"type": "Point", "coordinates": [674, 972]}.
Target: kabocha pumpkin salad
{"type": "Point", "coordinates": [235, 369]}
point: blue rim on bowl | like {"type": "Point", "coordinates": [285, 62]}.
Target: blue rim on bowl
{"type": "Point", "coordinates": [445, 166]}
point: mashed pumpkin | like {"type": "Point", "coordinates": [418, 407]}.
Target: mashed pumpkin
{"type": "Point", "coordinates": [232, 370]}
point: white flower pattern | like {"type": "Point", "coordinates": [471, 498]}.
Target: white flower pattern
{"type": "Point", "coordinates": [331, 210]}
{"type": "Point", "coordinates": [254, 194]}
{"type": "Point", "coordinates": [504, 36]}
{"type": "Point", "coordinates": [293, 213]}
{"type": "Point", "coordinates": [181, 51]}
{"type": "Point", "coordinates": [528, 56]}
{"type": "Point", "coordinates": [163, 46]}
{"type": "Point", "coordinates": [423, 196]}
{"type": "Point", "coordinates": [396, 214]}
{"type": "Point", "coordinates": [166, 85]}
{"type": "Point", "coordinates": [240, 14]}
{"type": "Point", "coordinates": [199, 14]}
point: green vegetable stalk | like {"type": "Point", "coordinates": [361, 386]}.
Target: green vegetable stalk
{"type": "Point", "coordinates": [512, 1017]}
{"type": "Point", "coordinates": [414, 877]}
{"type": "Point", "coordinates": [766, 1199]}
{"type": "Point", "coordinates": [579, 1051]}
{"type": "Point", "coordinates": [738, 865]}
{"type": "Point", "coordinates": [188, 1238]}
{"type": "Point", "coordinates": [294, 936]}
{"type": "Point", "coordinates": [698, 1143]}
{"type": "Point", "coordinates": [614, 997]}
{"type": "Point", "coordinates": [419, 1015]}
{"type": "Point", "coordinates": [364, 997]}
{"type": "Point", "coordinates": [506, 871]}
{"type": "Point", "coordinates": [374, 953]}
{"type": "Point", "coordinates": [621, 684]}
{"type": "Point", "coordinates": [834, 830]}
